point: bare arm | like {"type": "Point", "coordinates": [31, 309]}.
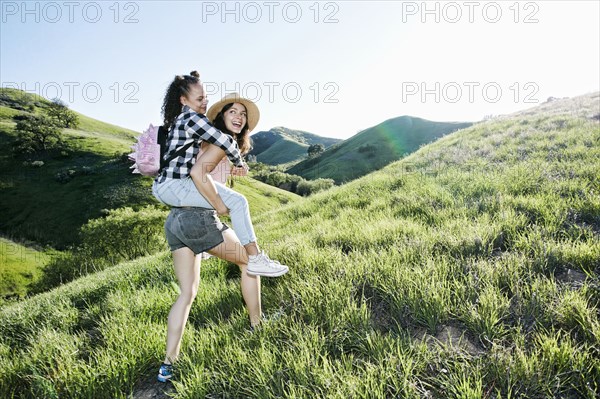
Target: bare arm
{"type": "Point", "coordinates": [204, 183]}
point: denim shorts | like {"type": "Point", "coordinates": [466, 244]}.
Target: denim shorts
{"type": "Point", "coordinates": [198, 229]}
{"type": "Point", "coordinates": [183, 193]}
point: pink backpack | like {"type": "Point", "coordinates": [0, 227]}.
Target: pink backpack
{"type": "Point", "coordinates": [146, 153]}
{"type": "Point", "coordinates": [149, 150]}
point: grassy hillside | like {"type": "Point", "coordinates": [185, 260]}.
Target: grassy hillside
{"type": "Point", "coordinates": [373, 148]}
{"type": "Point", "coordinates": [281, 145]}
{"type": "Point", "coordinates": [19, 265]}
{"type": "Point", "coordinates": [14, 102]}
{"type": "Point", "coordinates": [469, 269]}
{"type": "Point", "coordinates": [47, 204]}
{"type": "Point", "coordinates": [262, 197]}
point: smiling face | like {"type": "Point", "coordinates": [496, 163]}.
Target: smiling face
{"type": "Point", "coordinates": [195, 99]}
{"type": "Point", "coordinates": [235, 118]}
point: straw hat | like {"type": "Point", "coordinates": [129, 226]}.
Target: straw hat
{"type": "Point", "coordinates": [251, 109]}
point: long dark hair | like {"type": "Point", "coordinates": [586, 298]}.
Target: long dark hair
{"type": "Point", "coordinates": [180, 86]}
{"type": "Point", "coordinates": [243, 138]}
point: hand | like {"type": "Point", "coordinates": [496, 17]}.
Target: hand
{"type": "Point", "coordinates": [240, 170]}
{"type": "Point", "coordinates": [222, 211]}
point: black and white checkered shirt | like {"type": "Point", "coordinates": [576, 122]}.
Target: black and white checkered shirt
{"type": "Point", "coordinates": [191, 126]}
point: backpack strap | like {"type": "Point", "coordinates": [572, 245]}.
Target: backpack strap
{"type": "Point", "coordinates": [177, 153]}
{"type": "Point", "coordinates": [162, 140]}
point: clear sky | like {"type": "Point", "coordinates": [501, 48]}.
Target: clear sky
{"type": "Point", "coordinates": [329, 67]}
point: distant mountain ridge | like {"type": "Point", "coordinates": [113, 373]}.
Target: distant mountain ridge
{"type": "Point", "coordinates": [374, 148]}
{"type": "Point", "coordinates": [281, 145]}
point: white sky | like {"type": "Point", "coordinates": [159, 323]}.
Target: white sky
{"type": "Point", "coordinates": [330, 67]}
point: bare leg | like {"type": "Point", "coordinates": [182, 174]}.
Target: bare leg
{"type": "Point", "coordinates": [252, 248]}
{"type": "Point", "coordinates": [232, 251]}
{"type": "Point", "coordinates": [187, 271]}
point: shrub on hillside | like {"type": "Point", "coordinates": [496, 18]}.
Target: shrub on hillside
{"type": "Point", "coordinates": [368, 150]}
{"type": "Point", "coordinates": [37, 134]}
{"type": "Point", "coordinates": [315, 149]}
{"type": "Point", "coordinates": [281, 180]}
{"type": "Point", "coordinates": [65, 176]}
{"type": "Point", "coordinates": [259, 168]}
{"type": "Point", "coordinates": [308, 187]}
{"type": "Point", "coordinates": [272, 176]}
{"type": "Point", "coordinates": [62, 115]}
{"type": "Point", "coordinates": [20, 117]}
{"type": "Point", "coordinates": [124, 234]}
{"type": "Point", "coordinates": [277, 179]}
{"type": "Point", "coordinates": [14, 99]}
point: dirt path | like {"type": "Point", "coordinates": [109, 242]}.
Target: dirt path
{"type": "Point", "coordinates": [150, 388]}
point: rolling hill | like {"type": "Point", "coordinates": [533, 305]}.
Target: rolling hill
{"type": "Point", "coordinates": [47, 201]}
{"type": "Point", "coordinates": [468, 269]}
{"type": "Point", "coordinates": [373, 148]}
{"type": "Point", "coordinates": [281, 145]}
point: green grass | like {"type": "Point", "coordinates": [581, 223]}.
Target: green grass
{"type": "Point", "coordinates": [106, 130]}
{"type": "Point", "coordinates": [373, 148]}
{"type": "Point", "coordinates": [8, 113]}
{"type": "Point", "coordinates": [19, 265]}
{"type": "Point", "coordinates": [479, 233]}
{"type": "Point", "coordinates": [262, 197]}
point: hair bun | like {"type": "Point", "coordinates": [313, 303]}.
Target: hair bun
{"type": "Point", "coordinates": [195, 74]}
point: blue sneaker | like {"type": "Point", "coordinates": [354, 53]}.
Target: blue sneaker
{"type": "Point", "coordinates": [165, 372]}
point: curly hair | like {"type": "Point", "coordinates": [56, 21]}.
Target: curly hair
{"type": "Point", "coordinates": [180, 86]}
{"type": "Point", "coordinates": [243, 138]}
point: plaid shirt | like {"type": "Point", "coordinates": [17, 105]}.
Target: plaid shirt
{"type": "Point", "coordinates": [191, 126]}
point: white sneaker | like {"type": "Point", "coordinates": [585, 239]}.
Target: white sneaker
{"type": "Point", "coordinates": [262, 265]}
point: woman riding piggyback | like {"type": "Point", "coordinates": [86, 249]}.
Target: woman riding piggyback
{"type": "Point", "coordinates": [184, 181]}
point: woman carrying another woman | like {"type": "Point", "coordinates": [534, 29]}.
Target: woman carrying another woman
{"type": "Point", "coordinates": [190, 228]}
{"type": "Point", "coordinates": [186, 183]}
